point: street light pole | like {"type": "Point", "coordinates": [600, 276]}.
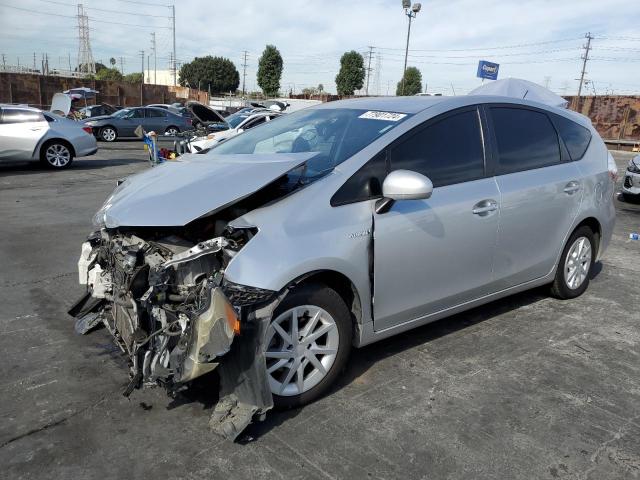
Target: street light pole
{"type": "Point", "coordinates": [411, 12]}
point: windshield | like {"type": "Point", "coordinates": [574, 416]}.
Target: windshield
{"type": "Point", "coordinates": [236, 119]}
{"type": "Point", "coordinates": [336, 134]}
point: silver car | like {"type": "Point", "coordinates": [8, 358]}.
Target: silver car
{"type": "Point", "coordinates": [31, 134]}
{"type": "Point", "coordinates": [339, 225]}
{"type": "Point", "coordinates": [631, 182]}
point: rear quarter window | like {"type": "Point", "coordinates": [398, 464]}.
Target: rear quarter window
{"type": "Point", "coordinates": [575, 137]}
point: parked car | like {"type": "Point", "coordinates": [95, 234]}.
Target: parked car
{"type": "Point", "coordinates": [123, 123]}
{"type": "Point", "coordinates": [337, 226]}
{"type": "Point", "coordinates": [631, 183]}
{"type": "Point", "coordinates": [237, 123]}
{"type": "Point", "coordinates": [206, 118]}
{"type": "Point", "coordinates": [31, 134]}
{"type": "Point", "coordinates": [97, 110]}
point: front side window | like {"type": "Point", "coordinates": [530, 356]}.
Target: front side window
{"type": "Point", "coordinates": [254, 123]}
{"type": "Point", "coordinates": [18, 115]}
{"type": "Point", "coordinates": [526, 139]}
{"type": "Point", "coordinates": [448, 151]}
{"type": "Point", "coordinates": [335, 134]}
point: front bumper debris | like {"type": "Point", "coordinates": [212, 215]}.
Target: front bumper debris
{"type": "Point", "coordinates": [168, 308]}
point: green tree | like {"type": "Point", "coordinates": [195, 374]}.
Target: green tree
{"type": "Point", "coordinates": [270, 71]}
{"type": "Point", "coordinates": [219, 72]}
{"type": "Point", "coordinates": [109, 74]}
{"type": "Point", "coordinates": [351, 75]}
{"type": "Point", "coordinates": [412, 82]}
{"type": "Point", "coordinates": [135, 77]}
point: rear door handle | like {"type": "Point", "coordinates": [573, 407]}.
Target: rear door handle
{"type": "Point", "coordinates": [571, 187]}
{"type": "Point", "coordinates": [484, 207]}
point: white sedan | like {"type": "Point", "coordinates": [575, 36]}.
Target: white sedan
{"type": "Point", "coordinates": [238, 123]}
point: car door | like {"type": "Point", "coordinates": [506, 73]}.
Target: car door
{"type": "Point", "coordinates": [433, 254]}
{"type": "Point", "coordinates": [540, 193]}
{"type": "Point", "coordinates": [127, 126]}
{"type": "Point", "coordinates": [20, 132]}
{"type": "Point", "coordinates": [156, 120]}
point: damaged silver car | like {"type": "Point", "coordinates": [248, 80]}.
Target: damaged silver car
{"type": "Point", "coordinates": [269, 256]}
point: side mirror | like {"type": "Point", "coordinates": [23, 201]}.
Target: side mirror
{"type": "Point", "coordinates": [240, 130]}
{"type": "Point", "coordinates": [403, 185]}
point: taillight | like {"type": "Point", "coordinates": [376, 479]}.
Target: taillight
{"type": "Point", "coordinates": [188, 121]}
{"type": "Point", "coordinates": [88, 129]}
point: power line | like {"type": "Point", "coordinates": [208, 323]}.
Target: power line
{"type": "Point", "coordinates": [485, 48]}
{"type": "Point", "coordinates": [137, 14]}
{"type": "Point", "coordinates": [72, 16]}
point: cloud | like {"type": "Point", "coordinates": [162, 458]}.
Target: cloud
{"type": "Point", "coordinates": [447, 37]}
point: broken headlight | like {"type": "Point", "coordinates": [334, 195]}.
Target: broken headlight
{"type": "Point", "coordinates": [243, 295]}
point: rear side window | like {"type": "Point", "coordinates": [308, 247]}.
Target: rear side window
{"type": "Point", "coordinates": [526, 139]}
{"type": "Point", "coordinates": [156, 113]}
{"type": "Point", "coordinates": [17, 115]}
{"type": "Point", "coordinates": [575, 137]}
{"type": "Point", "coordinates": [448, 151]}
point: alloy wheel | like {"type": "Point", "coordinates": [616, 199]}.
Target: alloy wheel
{"type": "Point", "coordinates": [108, 134]}
{"type": "Point", "coordinates": [577, 263]}
{"type": "Point", "coordinates": [57, 155]}
{"type": "Point", "coordinates": [301, 348]}
{"type": "Point", "coordinates": [171, 131]}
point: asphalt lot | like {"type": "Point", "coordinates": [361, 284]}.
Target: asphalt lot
{"type": "Point", "coordinates": [528, 387]}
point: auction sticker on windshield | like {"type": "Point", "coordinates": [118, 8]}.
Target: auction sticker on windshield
{"type": "Point", "coordinates": [388, 116]}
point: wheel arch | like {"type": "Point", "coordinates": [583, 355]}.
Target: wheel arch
{"type": "Point", "coordinates": [343, 287]}
{"type": "Point", "coordinates": [49, 141]}
{"type": "Point", "coordinates": [595, 227]}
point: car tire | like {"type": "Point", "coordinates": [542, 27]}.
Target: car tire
{"type": "Point", "coordinates": [171, 130]}
{"type": "Point", "coordinates": [320, 313]}
{"type": "Point", "coordinates": [56, 154]}
{"type": "Point", "coordinates": [574, 267]}
{"type": "Point", "coordinates": [108, 134]}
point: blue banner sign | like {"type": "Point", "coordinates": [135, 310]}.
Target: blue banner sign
{"type": "Point", "coordinates": [487, 70]}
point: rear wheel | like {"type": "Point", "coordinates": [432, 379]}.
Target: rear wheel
{"type": "Point", "coordinates": [172, 131]}
{"type": "Point", "coordinates": [108, 134]}
{"type": "Point", "coordinates": [56, 154]}
{"type": "Point", "coordinates": [572, 275]}
{"type": "Point", "coordinates": [307, 345]}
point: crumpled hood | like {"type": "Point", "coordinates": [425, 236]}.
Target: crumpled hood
{"type": "Point", "coordinates": [178, 192]}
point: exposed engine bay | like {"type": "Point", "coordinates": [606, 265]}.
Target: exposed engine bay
{"type": "Point", "coordinates": [161, 293]}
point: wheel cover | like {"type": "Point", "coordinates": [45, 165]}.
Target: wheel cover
{"type": "Point", "coordinates": [301, 347]}
{"type": "Point", "coordinates": [57, 155]}
{"type": "Point", "coordinates": [172, 131]}
{"type": "Point", "coordinates": [109, 134]}
{"type": "Point", "coordinates": [578, 263]}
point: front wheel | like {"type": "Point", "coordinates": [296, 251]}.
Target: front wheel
{"type": "Point", "coordinates": [307, 345]}
{"type": "Point", "coordinates": [572, 275]}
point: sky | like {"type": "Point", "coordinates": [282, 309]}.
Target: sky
{"type": "Point", "coordinates": [539, 40]}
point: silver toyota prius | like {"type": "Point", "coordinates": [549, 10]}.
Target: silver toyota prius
{"type": "Point", "coordinates": [269, 256]}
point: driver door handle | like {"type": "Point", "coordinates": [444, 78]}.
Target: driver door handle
{"type": "Point", "coordinates": [484, 207]}
{"type": "Point", "coordinates": [572, 187]}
